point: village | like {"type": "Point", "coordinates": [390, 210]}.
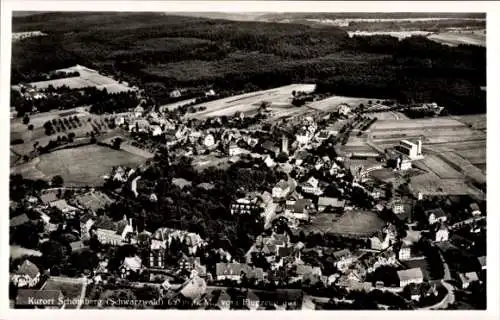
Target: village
{"type": "Point", "coordinates": [336, 226]}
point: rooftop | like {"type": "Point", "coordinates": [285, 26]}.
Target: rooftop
{"type": "Point", "coordinates": [410, 274]}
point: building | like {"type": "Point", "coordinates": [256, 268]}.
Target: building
{"type": "Point", "coordinates": [410, 149]}
{"type": "Point", "coordinates": [344, 109]}
{"type": "Point", "coordinates": [19, 220]}
{"type": "Point", "coordinates": [312, 186]}
{"type": "Point", "coordinates": [482, 262]}
{"type": "Point", "coordinates": [27, 275]}
{"type": "Point", "coordinates": [397, 207]}
{"type": "Point", "coordinates": [156, 130]}
{"type": "Point", "coordinates": [48, 299]}
{"type": "Point", "coordinates": [175, 94]}
{"type": "Point", "coordinates": [284, 144]}
{"type": "Point", "coordinates": [436, 215]}
{"type": "Point", "coordinates": [404, 253]}
{"type": "Point", "coordinates": [244, 206]}
{"type": "Point", "coordinates": [408, 276]}
{"type": "Point", "coordinates": [157, 254]}
{"type": "Point", "coordinates": [231, 271]}
{"type": "Point", "coordinates": [474, 209]}
{"type": "Point", "coordinates": [234, 150]}
{"type": "Point", "coordinates": [442, 234]}
{"type": "Point", "coordinates": [208, 140]}
{"type": "Point", "coordinates": [301, 208]}
{"type": "Point", "coordinates": [327, 202]}
{"type": "Point", "coordinates": [380, 241]}
{"type": "Point", "coordinates": [343, 259]}
{"type": "Point", "coordinates": [116, 234]}
{"type": "Point", "coordinates": [194, 288]}
{"type": "Point", "coordinates": [86, 223]}
{"type": "Point", "coordinates": [271, 148]}
{"type": "Point", "coordinates": [130, 266]}
{"type": "Point", "coordinates": [467, 278]}
{"type": "Point", "coordinates": [281, 190]}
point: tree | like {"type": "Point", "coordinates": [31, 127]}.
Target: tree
{"type": "Point", "coordinates": [57, 181]}
{"type": "Point", "coordinates": [117, 143]}
{"type": "Point", "coordinates": [30, 127]}
{"type": "Point", "coordinates": [26, 119]}
{"type": "Point", "coordinates": [282, 157]}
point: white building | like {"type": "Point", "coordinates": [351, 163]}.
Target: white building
{"type": "Point", "coordinates": [344, 109]}
{"type": "Point", "coordinates": [442, 234]}
{"type": "Point", "coordinates": [208, 140]}
{"type": "Point", "coordinates": [410, 149]}
{"type": "Point", "coordinates": [408, 276]}
{"type": "Point", "coordinates": [404, 253]}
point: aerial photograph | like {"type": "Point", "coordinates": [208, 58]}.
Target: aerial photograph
{"type": "Point", "coordinates": [247, 161]}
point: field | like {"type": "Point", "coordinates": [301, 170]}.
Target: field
{"type": "Point", "coordinates": [476, 121]}
{"type": "Point", "coordinates": [454, 38]}
{"type": "Point", "coordinates": [389, 115]}
{"type": "Point", "coordinates": [279, 98]}
{"type": "Point", "coordinates": [331, 104]}
{"type": "Point", "coordinates": [70, 290]}
{"type": "Point", "coordinates": [398, 34]}
{"type": "Point", "coordinates": [19, 130]}
{"type": "Point", "coordinates": [355, 223]}
{"type": "Point", "coordinates": [87, 78]}
{"type": "Point", "coordinates": [80, 166]}
{"type": "Point", "coordinates": [173, 106]}
{"type": "Point", "coordinates": [18, 252]}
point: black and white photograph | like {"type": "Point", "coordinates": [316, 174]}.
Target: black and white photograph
{"type": "Point", "coordinates": [247, 160]}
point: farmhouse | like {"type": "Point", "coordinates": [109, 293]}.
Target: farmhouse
{"type": "Point", "coordinates": [231, 271]}
{"type": "Point", "coordinates": [115, 234]}
{"type": "Point", "coordinates": [130, 266]}
{"type": "Point", "coordinates": [312, 186]}
{"type": "Point", "coordinates": [408, 276]}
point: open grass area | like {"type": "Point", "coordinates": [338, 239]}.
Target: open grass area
{"type": "Point", "coordinates": [78, 166]}
{"type": "Point", "coordinates": [250, 101]}
{"type": "Point", "coordinates": [352, 223]}
{"type": "Point", "coordinates": [455, 38]}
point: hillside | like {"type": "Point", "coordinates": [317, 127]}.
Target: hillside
{"type": "Point", "coordinates": [159, 52]}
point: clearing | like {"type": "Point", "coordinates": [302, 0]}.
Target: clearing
{"type": "Point", "coordinates": [82, 166]}
{"type": "Point", "coordinates": [454, 38]}
{"type": "Point", "coordinates": [281, 96]}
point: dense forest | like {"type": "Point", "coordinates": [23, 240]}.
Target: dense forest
{"type": "Point", "coordinates": [159, 53]}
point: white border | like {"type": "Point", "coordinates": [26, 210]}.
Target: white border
{"type": "Point", "coordinates": [493, 36]}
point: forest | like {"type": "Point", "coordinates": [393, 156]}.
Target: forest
{"type": "Point", "coordinates": [159, 53]}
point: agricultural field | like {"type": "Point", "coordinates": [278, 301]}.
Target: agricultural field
{"type": "Point", "coordinates": [397, 34]}
{"type": "Point", "coordinates": [389, 115]}
{"type": "Point", "coordinates": [332, 104]}
{"type": "Point", "coordinates": [442, 169]}
{"type": "Point", "coordinates": [476, 121]}
{"type": "Point", "coordinates": [82, 166]}
{"type": "Point", "coordinates": [87, 78]}
{"type": "Point", "coordinates": [175, 105]}
{"type": "Point", "coordinates": [280, 97]}
{"type": "Point", "coordinates": [432, 185]}
{"type": "Point", "coordinates": [362, 223]}
{"type": "Point", "coordinates": [456, 37]}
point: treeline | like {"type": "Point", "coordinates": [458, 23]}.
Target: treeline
{"type": "Point", "coordinates": [159, 53]}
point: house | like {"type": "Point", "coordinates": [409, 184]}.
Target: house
{"type": "Point", "coordinates": [48, 197]}
{"type": "Point", "coordinates": [50, 299]}
{"type": "Point", "coordinates": [302, 137]}
{"type": "Point", "coordinates": [208, 140]}
{"type": "Point", "coordinates": [271, 148]}
{"type": "Point", "coordinates": [404, 253]}
{"type": "Point", "coordinates": [231, 271]}
{"type": "Point", "coordinates": [114, 234]}
{"type": "Point", "coordinates": [312, 186]}
{"type": "Point", "coordinates": [19, 220]}
{"type": "Point", "coordinates": [244, 206]}
{"type": "Point", "coordinates": [303, 269]}
{"type": "Point", "coordinates": [141, 125]}
{"type": "Point", "coordinates": [281, 190]}
{"type": "Point", "coordinates": [130, 266]}
{"type": "Point", "coordinates": [436, 215]}
{"type": "Point", "coordinates": [300, 209]}
{"type": "Point", "coordinates": [408, 276]}
{"type": "Point", "coordinates": [269, 162]}
{"type": "Point", "coordinates": [86, 223]}
{"type": "Point", "coordinates": [193, 266]}
{"type": "Point", "coordinates": [467, 278]}
{"type": "Point", "coordinates": [344, 109]}
{"type": "Point", "coordinates": [157, 254]}
{"type": "Point", "coordinates": [323, 135]}
{"type": "Point", "coordinates": [301, 156]}
{"type": "Point", "coordinates": [380, 241]}
{"type": "Point", "coordinates": [474, 209]}
{"type": "Point", "coordinates": [156, 130]}
{"type": "Point", "coordinates": [62, 205]}
{"type": "Point", "coordinates": [210, 93]}
{"type": "Point", "coordinates": [343, 259]}
{"type": "Point", "coordinates": [77, 246]}
{"type": "Point", "coordinates": [327, 202]}
{"type": "Point", "coordinates": [234, 150]}
{"type": "Point", "coordinates": [138, 111]}
{"type": "Point", "coordinates": [442, 234]}
{"type": "Point", "coordinates": [192, 240]}
{"type": "Point", "coordinates": [397, 207]}
{"type": "Point", "coordinates": [27, 275]}
{"type": "Point", "coordinates": [175, 93]}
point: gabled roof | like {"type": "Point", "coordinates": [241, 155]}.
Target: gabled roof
{"type": "Point", "coordinates": [330, 202]}
{"type": "Point", "coordinates": [410, 274]}
{"type": "Point", "coordinates": [301, 204]}
{"type": "Point", "coordinates": [228, 269]}
{"type": "Point", "coordinates": [482, 261]}
{"type": "Point", "coordinates": [474, 207]}
{"type": "Point", "coordinates": [48, 197]}
{"type": "Point", "coordinates": [77, 245]}
{"type": "Point", "coordinates": [26, 297]}
{"type": "Point", "coordinates": [342, 253]}
{"type": "Point", "coordinates": [28, 268]}
{"type": "Point", "coordinates": [133, 263]}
